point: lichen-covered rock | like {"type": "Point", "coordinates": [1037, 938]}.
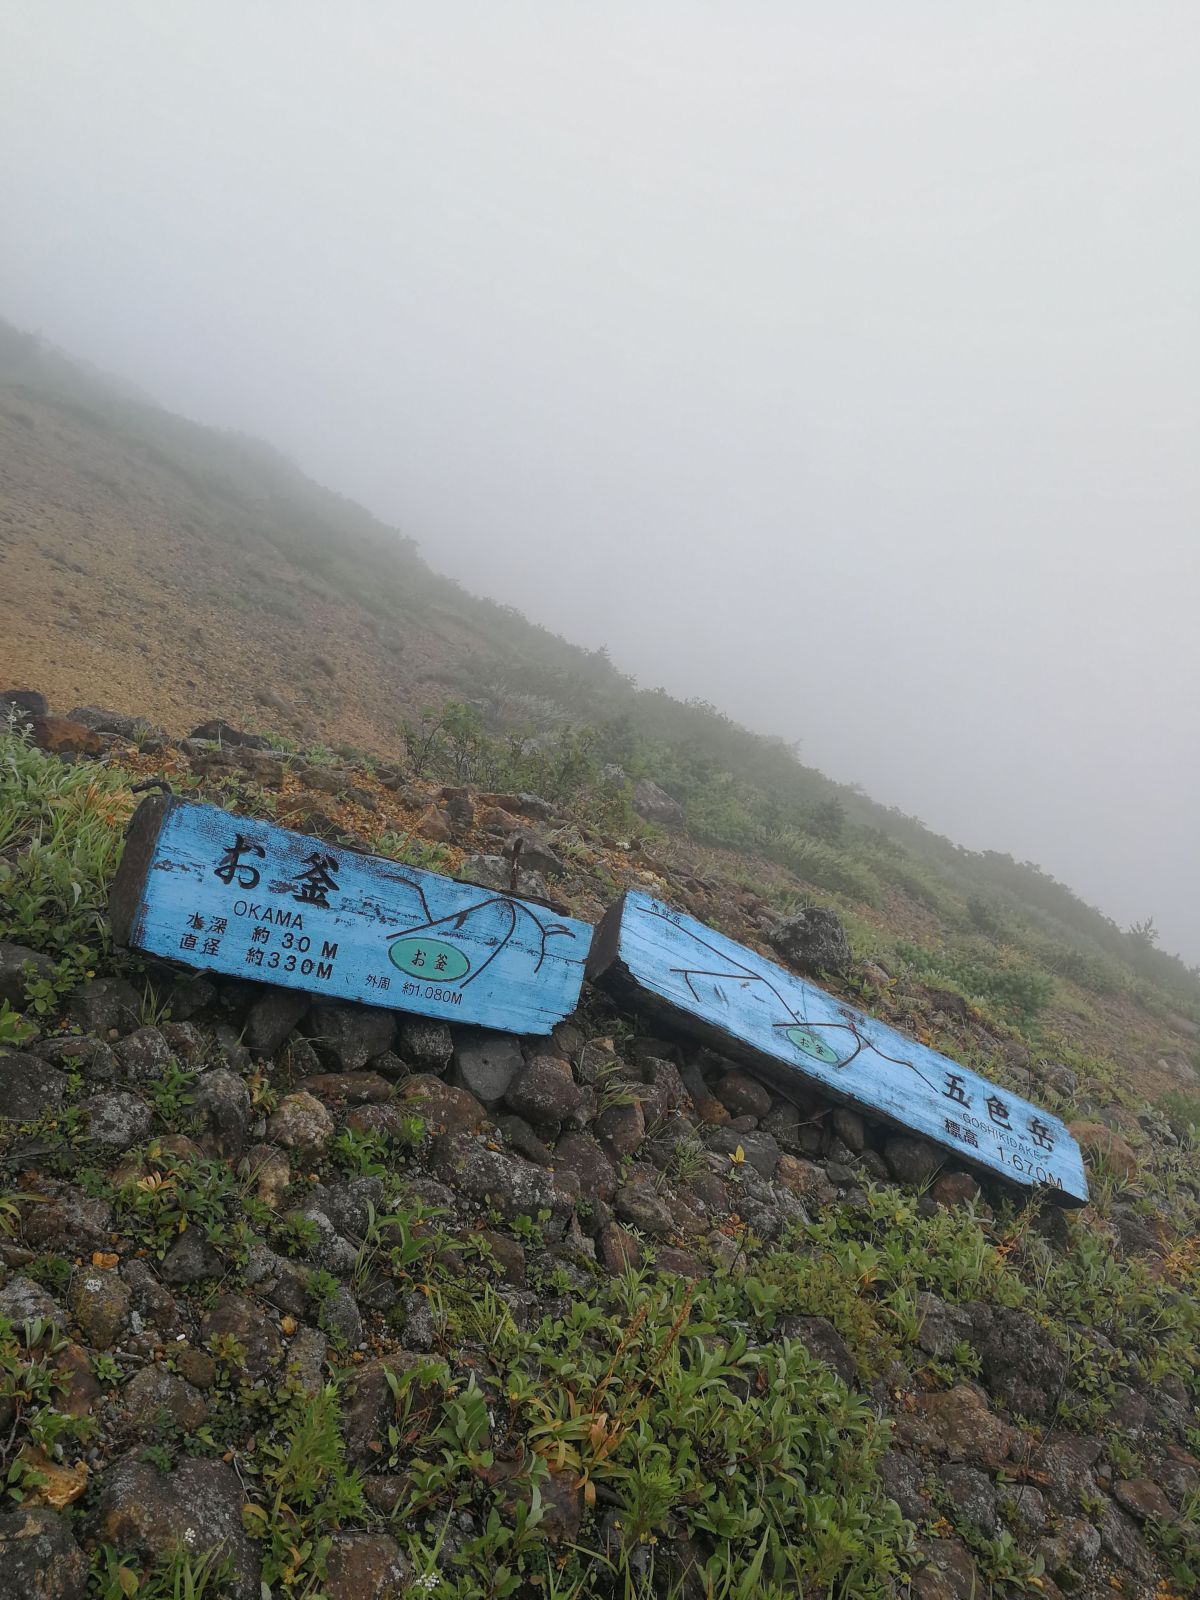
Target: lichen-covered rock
{"type": "Point", "coordinates": [544, 1092]}
{"type": "Point", "coordinates": [972, 1497]}
{"type": "Point", "coordinates": [91, 1058]}
{"type": "Point", "coordinates": [348, 1036]}
{"type": "Point", "coordinates": [342, 1320]}
{"type": "Point", "coordinates": [142, 1055]}
{"type": "Point", "coordinates": [903, 1479]}
{"type": "Point", "coordinates": [238, 1318]}
{"type": "Point", "coordinates": [29, 1087]}
{"type": "Point", "coordinates": [508, 1254]}
{"type": "Point", "coordinates": [1101, 1143]}
{"type": "Point", "coordinates": [1064, 1464]}
{"type": "Point", "coordinates": [1022, 1364]}
{"type": "Point", "coordinates": [1143, 1499]}
{"type": "Point", "coordinates": [758, 1150]}
{"type": "Point", "coordinates": [958, 1424]}
{"type": "Point", "coordinates": [805, 1180]}
{"type": "Point", "coordinates": [1070, 1551]}
{"type": "Point", "coordinates": [222, 1099]}
{"type": "Point", "coordinates": [656, 805]}
{"type": "Point", "coordinates": [640, 1207]}
{"type": "Point", "coordinates": [39, 1559]}
{"type": "Point", "coordinates": [269, 1170]}
{"type": "Point", "coordinates": [581, 1154]}
{"type": "Point", "coordinates": [443, 1107]}
{"type": "Point", "coordinates": [365, 1566]}
{"type": "Point", "coordinates": [118, 1120]}
{"type": "Point", "coordinates": [813, 941]}
{"type": "Point", "coordinates": [22, 1300]}
{"type": "Point", "coordinates": [536, 854]}
{"type": "Point", "coordinates": [103, 1005]}
{"type": "Point", "coordinates": [1022, 1506]}
{"type": "Point", "coordinates": [1120, 1538]}
{"type": "Point", "coordinates": [664, 1091]}
{"type": "Point", "coordinates": [152, 1301]}
{"type": "Point", "coordinates": [618, 1249]}
{"type": "Point", "coordinates": [822, 1340]}
{"type": "Point", "coordinates": [944, 1570]}
{"type": "Point", "coordinates": [372, 1406]}
{"type": "Point", "coordinates": [348, 1088]}
{"type": "Point", "coordinates": [197, 1507]}
{"type": "Point", "coordinates": [100, 1305]}
{"type": "Point", "coordinates": [301, 1123]}
{"type": "Point", "coordinates": [191, 1259]}
{"type": "Point", "coordinates": [942, 1325]}
{"type": "Point", "coordinates": [155, 1393]}
{"type": "Point", "coordinates": [951, 1189]}
{"type": "Point", "coordinates": [620, 1129]}
{"type": "Point", "coordinates": [426, 1046]}
{"type": "Point", "coordinates": [521, 1138]}
{"type": "Point", "coordinates": [491, 1177]}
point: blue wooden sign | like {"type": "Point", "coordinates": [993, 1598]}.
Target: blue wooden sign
{"type": "Point", "coordinates": [748, 1007]}
{"type": "Point", "coordinates": [231, 894]}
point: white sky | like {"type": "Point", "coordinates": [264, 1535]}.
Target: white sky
{"type": "Point", "coordinates": [835, 362]}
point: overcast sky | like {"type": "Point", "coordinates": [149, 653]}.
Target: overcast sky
{"type": "Point", "coordinates": [838, 363]}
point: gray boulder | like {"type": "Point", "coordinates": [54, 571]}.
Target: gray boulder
{"type": "Point", "coordinates": [485, 1064]}
{"type": "Point", "coordinates": [39, 1559]}
{"type": "Point", "coordinates": [28, 1087]}
{"type": "Point", "coordinates": [349, 1036]}
{"type": "Point", "coordinates": [656, 805]}
{"type": "Point", "coordinates": [813, 940]}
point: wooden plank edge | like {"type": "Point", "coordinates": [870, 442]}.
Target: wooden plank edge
{"type": "Point", "coordinates": [126, 897]}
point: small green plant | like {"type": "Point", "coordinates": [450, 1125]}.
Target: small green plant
{"type": "Point", "coordinates": [308, 1493]}
{"type": "Point", "coordinates": [31, 1384]}
{"type": "Point", "coordinates": [297, 1235]}
{"type": "Point", "coordinates": [15, 1029]}
{"type": "Point", "coordinates": [360, 1154]}
{"type": "Point", "coordinates": [177, 1577]}
{"type": "Point", "coordinates": [171, 1095]}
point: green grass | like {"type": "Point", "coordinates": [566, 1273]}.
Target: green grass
{"type": "Point", "coordinates": [61, 837]}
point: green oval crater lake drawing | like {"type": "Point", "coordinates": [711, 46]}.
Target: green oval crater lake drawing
{"type": "Point", "coordinates": [429, 958]}
{"type": "Point", "coordinates": [812, 1045]}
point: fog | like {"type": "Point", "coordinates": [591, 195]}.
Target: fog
{"type": "Point", "coordinates": [837, 363]}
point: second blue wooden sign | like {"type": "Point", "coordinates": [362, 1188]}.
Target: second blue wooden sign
{"type": "Point", "coordinates": [673, 966]}
{"type": "Point", "coordinates": [234, 895]}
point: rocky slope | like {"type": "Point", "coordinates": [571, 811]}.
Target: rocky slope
{"type": "Point", "coordinates": [351, 1304]}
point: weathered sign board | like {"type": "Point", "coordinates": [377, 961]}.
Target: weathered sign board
{"type": "Point", "coordinates": [745, 1006]}
{"type": "Point", "coordinates": [235, 895]}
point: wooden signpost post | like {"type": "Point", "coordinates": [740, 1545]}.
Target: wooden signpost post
{"type": "Point", "coordinates": [674, 967]}
{"type": "Point", "coordinates": [234, 895]}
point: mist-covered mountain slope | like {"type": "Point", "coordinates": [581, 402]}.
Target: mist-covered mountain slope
{"type": "Point", "coordinates": [151, 561]}
{"type": "Point", "coordinates": [348, 1304]}
{"type": "Point", "coordinates": [345, 1303]}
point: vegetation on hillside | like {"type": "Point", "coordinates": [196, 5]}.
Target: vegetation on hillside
{"type": "Point", "coordinates": [525, 694]}
{"type": "Point", "coordinates": [634, 1419]}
